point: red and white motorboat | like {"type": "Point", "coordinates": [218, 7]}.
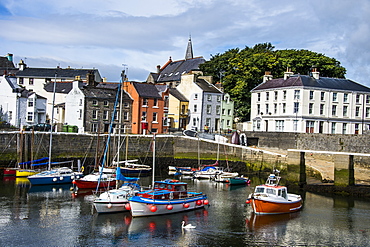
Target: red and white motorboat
{"type": "Point", "coordinates": [272, 198]}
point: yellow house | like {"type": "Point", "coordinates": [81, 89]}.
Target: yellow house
{"type": "Point", "coordinates": [178, 110]}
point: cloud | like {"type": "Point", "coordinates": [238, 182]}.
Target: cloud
{"type": "Point", "coordinates": [144, 33]}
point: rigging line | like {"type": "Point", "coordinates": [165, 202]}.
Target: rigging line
{"type": "Point", "coordinates": [8, 144]}
{"type": "Point", "coordinates": [87, 151]}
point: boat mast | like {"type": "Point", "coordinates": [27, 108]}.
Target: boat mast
{"type": "Point", "coordinates": [153, 161]}
{"type": "Point", "coordinates": [52, 120]}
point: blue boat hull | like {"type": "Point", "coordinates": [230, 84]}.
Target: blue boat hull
{"type": "Point", "coordinates": [61, 179]}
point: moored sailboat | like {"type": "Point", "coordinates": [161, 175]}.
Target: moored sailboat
{"type": "Point", "coordinates": [165, 197]}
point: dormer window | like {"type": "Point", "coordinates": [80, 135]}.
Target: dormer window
{"type": "Point", "coordinates": [95, 102]}
{"type": "Point", "coordinates": [106, 103]}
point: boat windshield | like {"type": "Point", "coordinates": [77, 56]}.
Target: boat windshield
{"type": "Point", "coordinates": [284, 194]}
{"type": "Point", "coordinates": [270, 191]}
{"type": "Point", "coordinates": [260, 190]}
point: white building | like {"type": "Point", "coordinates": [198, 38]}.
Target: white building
{"type": "Point", "coordinates": [18, 106]}
{"type": "Point", "coordinates": [204, 101]}
{"type": "Point", "coordinates": [310, 104]}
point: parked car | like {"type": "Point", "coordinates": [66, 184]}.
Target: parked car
{"type": "Point", "coordinates": [39, 127]}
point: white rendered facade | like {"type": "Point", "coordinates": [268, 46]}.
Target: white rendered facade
{"type": "Point", "coordinates": [74, 108]}
{"type": "Point", "coordinates": [343, 109]}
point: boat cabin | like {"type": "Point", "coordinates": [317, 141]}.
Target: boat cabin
{"type": "Point", "coordinates": [167, 189]}
{"type": "Point", "coordinates": [276, 191]}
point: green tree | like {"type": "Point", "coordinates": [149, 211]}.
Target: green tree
{"type": "Point", "coordinates": [242, 70]}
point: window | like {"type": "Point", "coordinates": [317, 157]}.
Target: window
{"type": "Point", "coordinates": [94, 127]}
{"type": "Point", "coordinates": [310, 126]}
{"type": "Point", "coordinates": [258, 109]}
{"type": "Point", "coordinates": [367, 99]}
{"type": "Point", "coordinates": [345, 111]}
{"type": "Point", "coordinates": [310, 108]}
{"type": "Point", "coordinates": [275, 108]}
{"type": "Point", "coordinates": [20, 81]}
{"type": "Point", "coordinates": [105, 115]}
{"type": "Point", "coordinates": [367, 112]}
{"type": "Point", "coordinates": [80, 102]}
{"type": "Point", "coordinates": [284, 95]}
{"type": "Point", "coordinates": [267, 108]}
{"type": "Point", "coordinates": [321, 109]}
{"type": "Point", "coordinates": [296, 94]}
{"type": "Point", "coordinates": [80, 114]}
{"type": "Point", "coordinates": [143, 116]}
{"type": "Point", "coordinates": [145, 102]}
{"type": "Point", "coordinates": [30, 82]}
{"type": "Point", "coordinates": [219, 98]}
{"type": "Point", "coordinates": [218, 109]}
{"type": "Point", "coordinates": [335, 97]}
{"type": "Point", "coordinates": [275, 95]}
{"type": "Point", "coordinates": [229, 112]}
{"type": "Point", "coordinates": [333, 128]}
{"type": "Point", "coordinates": [194, 121]}
{"type": "Point", "coordinates": [284, 107]}
{"type": "Point", "coordinates": [125, 104]}
{"type": "Point", "coordinates": [279, 125]}
{"type": "Point", "coordinates": [356, 128]}
{"type": "Point", "coordinates": [95, 114]}
{"type": "Point", "coordinates": [182, 109]}
{"type": "Point", "coordinates": [30, 116]}
{"type": "Point", "coordinates": [94, 102]}
{"type": "Point", "coordinates": [267, 96]}
{"type": "Point", "coordinates": [195, 108]}
{"type": "Point", "coordinates": [30, 102]}
{"type": "Point", "coordinates": [322, 96]}
{"type": "Point", "coordinates": [258, 96]}
{"type": "Point", "coordinates": [334, 110]}
{"type": "Point", "coordinates": [115, 115]}
{"type": "Point", "coordinates": [357, 113]}
{"type": "Point", "coordinates": [357, 99]}
{"type": "Point", "coordinates": [105, 103]}
{"type": "Point", "coordinates": [209, 109]}
{"type": "Point", "coordinates": [344, 128]}
{"type": "Point", "coordinates": [10, 115]}
{"type": "Point", "coordinates": [209, 97]}
{"type": "Point", "coordinates": [208, 122]}
{"type": "Point", "coordinates": [125, 115]}
{"type": "Point", "coordinates": [311, 95]}
{"type": "Point", "coordinates": [345, 98]}
{"type": "Point", "coordinates": [196, 96]}
{"type": "Point", "coordinates": [155, 115]}
{"type": "Point", "coordinates": [223, 111]}
{"type": "Point", "coordinates": [228, 123]}
{"type": "Point", "coordinates": [155, 103]}
{"type": "Point", "coordinates": [296, 107]}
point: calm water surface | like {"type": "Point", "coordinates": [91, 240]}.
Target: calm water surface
{"type": "Point", "coordinates": [50, 216]}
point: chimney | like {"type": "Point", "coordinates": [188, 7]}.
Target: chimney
{"type": "Point", "coordinates": [315, 73]}
{"type": "Point", "coordinates": [158, 69]}
{"type": "Point", "coordinates": [22, 65]}
{"type": "Point", "coordinates": [288, 73]}
{"type": "Point", "coordinates": [10, 57]}
{"type": "Point", "coordinates": [90, 79]}
{"type": "Point", "coordinates": [104, 79]}
{"type": "Point", "coordinates": [267, 76]}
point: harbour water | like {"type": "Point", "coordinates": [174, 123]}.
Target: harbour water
{"type": "Point", "coordinates": [51, 216]}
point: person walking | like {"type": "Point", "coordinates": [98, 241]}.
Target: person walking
{"type": "Point", "coordinates": [206, 129]}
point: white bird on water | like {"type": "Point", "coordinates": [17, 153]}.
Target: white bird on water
{"type": "Point", "coordinates": [188, 226]}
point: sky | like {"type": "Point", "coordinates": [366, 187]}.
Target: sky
{"type": "Point", "coordinates": [136, 36]}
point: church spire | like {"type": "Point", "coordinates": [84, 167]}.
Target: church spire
{"type": "Point", "coordinates": [189, 50]}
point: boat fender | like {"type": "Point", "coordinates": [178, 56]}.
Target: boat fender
{"type": "Point", "coordinates": [61, 178]}
{"type": "Point", "coordinates": [186, 205]}
{"type": "Point", "coordinates": [153, 208]}
{"type": "Point", "coordinates": [169, 207]}
{"type": "Point", "coordinates": [248, 201]}
{"type": "Point", "coordinates": [109, 205]}
{"type": "Point", "coordinates": [128, 206]}
{"type": "Point", "coordinates": [206, 202]}
{"type": "Point", "coordinates": [174, 181]}
{"type": "Point", "coordinates": [55, 179]}
{"type": "Point", "coordinates": [199, 202]}
{"type": "Point", "coordinates": [72, 177]}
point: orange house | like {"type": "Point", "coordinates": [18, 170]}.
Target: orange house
{"type": "Point", "coordinates": [149, 108]}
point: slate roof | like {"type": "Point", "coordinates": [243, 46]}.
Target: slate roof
{"type": "Point", "coordinates": [103, 93]}
{"type": "Point", "coordinates": [307, 81]}
{"type": "Point", "coordinates": [62, 87]}
{"type": "Point", "coordinates": [5, 63]}
{"type": "Point", "coordinates": [176, 93]}
{"type": "Point", "coordinates": [174, 70]}
{"type": "Point", "coordinates": [50, 72]}
{"type": "Point", "coordinates": [206, 87]}
{"type": "Point", "coordinates": [146, 90]}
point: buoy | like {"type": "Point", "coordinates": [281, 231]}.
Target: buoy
{"type": "Point", "coordinates": [128, 206]}
{"type": "Point", "coordinates": [72, 177]}
{"type": "Point", "coordinates": [248, 201]}
{"type": "Point", "coordinates": [186, 205]}
{"type": "Point", "coordinates": [199, 202]}
{"type": "Point", "coordinates": [109, 205]}
{"type": "Point", "coordinates": [205, 202]}
{"type": "Point", "coordinates": [227, 181]}
{"type": "Point", "coordinates": [153, 208]}
{"type": "Point", "coordinates": [169, 207]}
